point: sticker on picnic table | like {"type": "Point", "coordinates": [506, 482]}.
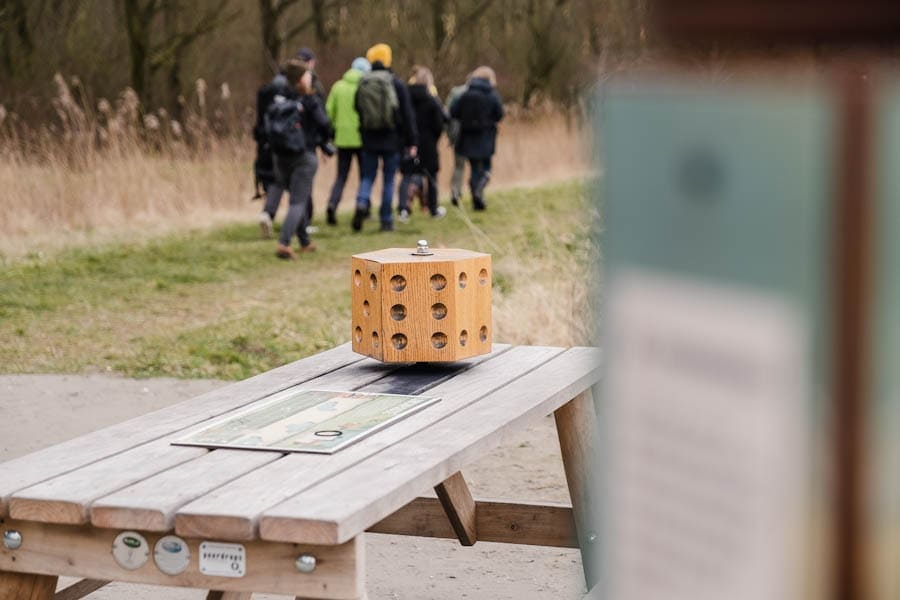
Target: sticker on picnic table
{"type": "Point", "coordinates": [130, 550]}
{"type": "Point", "coordinates": [223, 560]}
{"type": "Point", "coordinates": [317, 421]}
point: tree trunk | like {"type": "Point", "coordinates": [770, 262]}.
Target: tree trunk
{"type": "Point", "coordinates": [270, 37]}
{"type": "Point", "coordinates": [323, 36]}
{"type": "Point", "coordinates": [138, 43]}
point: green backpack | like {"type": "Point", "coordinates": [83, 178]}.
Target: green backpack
{"type": "Point", "coordinates": [376, 100]}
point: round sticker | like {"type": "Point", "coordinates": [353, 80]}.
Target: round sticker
{"type": "Point", "coordinates": [172, 555]}
{"type": "Point", "coordinates": [130, 550]}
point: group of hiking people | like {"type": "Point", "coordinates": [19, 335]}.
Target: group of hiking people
{"type": "Point", "coordinates": [373, 116]}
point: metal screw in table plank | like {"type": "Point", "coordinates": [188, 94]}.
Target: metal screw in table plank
{"type": "Point", "coordinates": [305, 563]}
{"type": "Point", "coordinates": [12, 539]}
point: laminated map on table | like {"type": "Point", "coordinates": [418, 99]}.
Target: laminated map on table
{"type": "Point", "coordinates": [318, 421]}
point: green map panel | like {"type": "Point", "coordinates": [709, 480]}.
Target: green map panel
{"type": "Point", "coordinates": [317, 421]}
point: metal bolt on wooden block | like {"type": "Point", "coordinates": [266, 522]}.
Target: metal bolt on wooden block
{"type": "Point", "coordinates": [421, 304]}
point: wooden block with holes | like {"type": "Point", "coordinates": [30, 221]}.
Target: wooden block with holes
{"type": "Point", "coordinates": [420, 304]}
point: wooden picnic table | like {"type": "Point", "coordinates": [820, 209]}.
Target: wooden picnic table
{"type": "Point", "coordinates": [64, 506]}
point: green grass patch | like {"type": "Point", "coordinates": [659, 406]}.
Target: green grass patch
{"type": "Point", "coordinates": [218, 304]}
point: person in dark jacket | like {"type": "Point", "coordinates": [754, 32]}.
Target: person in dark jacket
{"type": "Point", "coordinates": [295, 170]}
{"type": "Point", "coordinates": [478, 110]}
{"type": "Point", "coordinates": [309, 57]}
{"type": "Point", "coordinates": [264, 166]}
{"type": "Point", "coordinates": [430, 121]}
{"type": "Point", "coordinates": [385, 143]}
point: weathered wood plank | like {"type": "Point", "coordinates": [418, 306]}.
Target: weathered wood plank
{"type": "Point", "coordinates": [428, 457]}
{"type": "Point", "coordinates": [80, 589]}
{"type": "Point", "coordinates": [66, 499]}
{"type": "Point", "coordinates": [456, 499]}
{"type": "Point", "coordinates": [232, 511]}
{"type": "Point", "coordinates": [26, 586]}
{"type": "Point", "coordinates": [84, 551]}
{"type": "Point", "coordinates": [505, 522]}
{"type": "Point", "coordinates": [576, 426]}
{"type": "Point", "coordinates": [39, 466]}
{"type": "Point", "coordinates": [150, 504]}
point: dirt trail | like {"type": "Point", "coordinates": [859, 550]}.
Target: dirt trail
{"type": "Point", "coordinates": [40, 410]}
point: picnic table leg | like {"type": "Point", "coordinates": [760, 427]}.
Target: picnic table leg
{"type": "Point", "coordinates": [576, 426]}
{"type": "Point", "coordinates": [213, 595]}
{"type": "Point", "coordinates": [25, 586]}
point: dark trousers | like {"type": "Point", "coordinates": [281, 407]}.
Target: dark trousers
{"type": "Point", "coordinates": [344, 158]}
{"type": "Point", "coordinates": [296, 174]}
{"type": "Point", "coordinates": [478, 179]}
{"type": "Point", "coordinates": [369, 167]}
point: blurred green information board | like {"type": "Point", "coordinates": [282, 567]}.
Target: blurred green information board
{"type": "Point", "coordinates": [715, 214]}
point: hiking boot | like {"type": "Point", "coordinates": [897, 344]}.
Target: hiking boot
{"type": "Point", "coordinates": [310, 247]}
{"type": "Point", "coordinates": [285, 252]}
{"type": "Point", "coordinates": [403, 217]}
{"type": "Point", "coordinates": [440, 213]}
{"type": "Point", "coordinates": [265, 224]}
{"type": "Point", "coordinates": [387, 226]}
{"type": "Point", "coordinates": [358, 217]}
{"type": "Point", "coordinates": [329, 217]}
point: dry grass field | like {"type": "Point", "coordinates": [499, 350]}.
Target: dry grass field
{"type": "Point", "coordinates": [95, 176]}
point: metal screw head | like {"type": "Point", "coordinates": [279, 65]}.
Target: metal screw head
{"type": "Point", "coordinates": [12, 539]}
{"type": "Point", "coordinates": [305, 563]}
{"type": "Point", "coordinates": [592, 537]}
{"type": "Point", "coordinates": [422, 248]}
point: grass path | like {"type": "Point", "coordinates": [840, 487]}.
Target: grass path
{"type": "Point", "coordinates": [218, 304]}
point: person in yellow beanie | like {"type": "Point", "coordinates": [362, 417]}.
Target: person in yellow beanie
{"type": "Point", "coordinates": [387, 126]}
{"type": "Point", "coordinates": [380, 53]}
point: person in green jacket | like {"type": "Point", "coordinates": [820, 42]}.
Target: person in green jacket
{"type": "Point", "coordinates": [342, 112]}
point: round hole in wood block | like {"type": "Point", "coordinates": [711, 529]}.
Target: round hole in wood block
{"type": "Point", "coordinates": [463, 280]}
{"type": "Point", "coordinates": [373, 281]}
{"type": "Point", "coordinates": [438, 311]}
{"type": "Point", "coordinates": [357, 278]}
{"type": "Point", "coordinates": [439, 340]}
{"type": "Point", "coordinates": [375, 339]}
{"type": "Point", "coordinates": [399, 341]}
{"type": "Point", "coordinates": [438, 282]}
{"type": "Point", "coordinates": [463, 337]}
{"type": "Point", "coordinates": [398, 312]}
{"type": "Point", "coordinates": [398, 283]}
{"type": "Point", "coordinates": [482, 333]}
{"type": "Point", "coordinates": [366, 311]}
{"type": "Point", "coordinates": [483, 277]}
{"type": "Point", "coordinates": [357, 334]}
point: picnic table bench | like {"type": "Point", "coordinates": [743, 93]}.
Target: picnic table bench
{"type": "Point", "coordinates": [298, 518]}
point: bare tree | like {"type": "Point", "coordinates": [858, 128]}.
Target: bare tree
{"type": "Point", "coordinates": [14, 32]}
{"type": "Point", "coordinates": [275, 32]}
{"type": "Point", "coordinates": [150, 53]}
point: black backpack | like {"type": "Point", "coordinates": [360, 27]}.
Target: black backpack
{"type": "Point", "coordinates": [283, 126]}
